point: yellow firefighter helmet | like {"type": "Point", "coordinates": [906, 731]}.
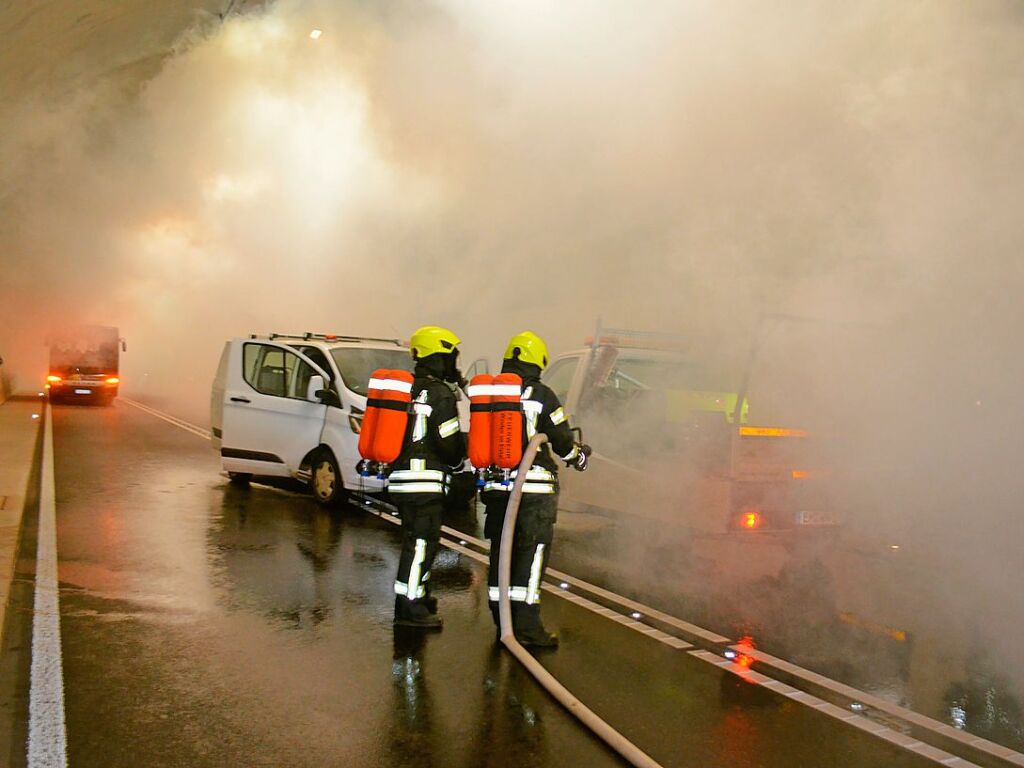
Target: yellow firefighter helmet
{"type": "Point", "coordinates": [532, 349]}
{"type": "Point", "coordinates": [431, 339]}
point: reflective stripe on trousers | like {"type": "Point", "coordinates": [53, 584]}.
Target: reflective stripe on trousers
{"type": "Point", "coordinates": [530, 594]}
{"type": "Point", "coordinates": [533, 588]}
{"type": "Point", "coordinates": [414, 589]}
{"type": "Point", "coordinates": [515, 594]}
{"type": "Point", "coordinates": [418, 488]}
{"type": "Point", "coordinates": [527, 487]}
{"type": "Point", "coordinates": [429, 475]}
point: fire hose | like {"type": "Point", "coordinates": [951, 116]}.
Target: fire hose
{"type": "Point", "coordinates": [611, 737]}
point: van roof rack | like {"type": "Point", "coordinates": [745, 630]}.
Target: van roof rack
{"type": "Point", "coordinates": [309, 336]}
{"type": "Point", "coordinates": [625, 337]}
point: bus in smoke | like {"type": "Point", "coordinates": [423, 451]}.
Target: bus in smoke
{"type": "Point", "coordinates": [84, 363]}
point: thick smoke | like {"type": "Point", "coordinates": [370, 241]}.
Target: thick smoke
{"type": "Point", "coordinates": [692, 167]}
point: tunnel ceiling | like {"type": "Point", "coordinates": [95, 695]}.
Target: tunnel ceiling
{"type": "Point", "coordinates": [50, 49]}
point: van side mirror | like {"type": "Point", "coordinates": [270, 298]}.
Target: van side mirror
{"type": "Point", "coordinates": [327, 397]}
{"type": "Point", "coordinates": [315, 388]}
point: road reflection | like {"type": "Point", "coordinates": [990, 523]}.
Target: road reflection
{"type": "Point", "coordinates": [878, 621]}
{"type": "Point", "coordinates": [274, 553]}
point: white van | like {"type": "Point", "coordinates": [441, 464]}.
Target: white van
{"type": "Point", "coordinates": [292, 406]}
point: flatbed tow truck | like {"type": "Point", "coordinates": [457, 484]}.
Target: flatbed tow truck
{"type": "Point", "coordinates": [675, 444]}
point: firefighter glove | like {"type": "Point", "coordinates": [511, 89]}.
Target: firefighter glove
{"type": "Point", "coordinates": [583, 452]}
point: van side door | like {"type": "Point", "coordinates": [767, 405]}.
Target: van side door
{"type": "Point", "coordinates": [269, 425]}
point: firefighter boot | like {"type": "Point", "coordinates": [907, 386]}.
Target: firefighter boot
{"type": "Point", "coordinates": [529, 629]}
{"type": "Point", "coordinates": [415, 613]}
{"type": "Point", "coordinates": [430, 601]}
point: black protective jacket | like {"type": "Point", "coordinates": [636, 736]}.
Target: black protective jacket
{"type": "Point", "coordinates": [434, 444]}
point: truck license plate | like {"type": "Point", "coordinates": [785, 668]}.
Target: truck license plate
{"type": "Point", "coordinates": [816, 517]}
{"type": "Point", "coordinates": [83, 391]}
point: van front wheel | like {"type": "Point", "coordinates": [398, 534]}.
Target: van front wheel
{"type": "Point", "coordinates": [325, 481]}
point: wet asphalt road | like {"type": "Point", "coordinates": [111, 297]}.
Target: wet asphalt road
{"type": "Point", "coordinates": [209, 625]}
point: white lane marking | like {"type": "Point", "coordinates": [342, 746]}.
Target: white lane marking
{"type": "Point", "coordinates": [181, 423]}
{"type": "Point", "coordinates": [837, 713]}
{"type": "Point", "coordinates": [662, 637]}
{"type": "Point", "coordinates": [600, 610]}
{"type": "Point", "coordinates": [47, 737]}
{"type": "Point", "coordinates": [683, 626]}
{"type": "Point", "coordinates": [915, 718]}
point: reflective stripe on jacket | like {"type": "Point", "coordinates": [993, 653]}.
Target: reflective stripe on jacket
{"type": "Point", "coordinates": [434, 442]}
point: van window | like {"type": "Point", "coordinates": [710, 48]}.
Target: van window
{"type": "Point", "coordinates": [303, 373]}
{"type": "Point", "coordinates": [560, 375]}
{"type": "Point", "coordinates": [357, 363]}
{"type": "Point", "coordinates": [317, 357]}
{"type": "Point", "coordinates": [275, 371]}
{"type": "Point", "coordinates": [250, 362]}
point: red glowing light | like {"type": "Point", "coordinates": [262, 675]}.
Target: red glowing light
{"type": "Point", "coordinates": [743, 649]}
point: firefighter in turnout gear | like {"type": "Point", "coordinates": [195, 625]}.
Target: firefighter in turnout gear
{"type": "Point", "coordinates": [434, 446]}
{"type": "Point", "coordinates": [526, 357]}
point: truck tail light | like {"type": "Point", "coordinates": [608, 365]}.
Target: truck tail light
{"type": "Point", "coordinates": [53, 379]}
{"type": "Point", "coordinates": [113, 380]}
{"type": "Point", "coordinates": [751, 521]}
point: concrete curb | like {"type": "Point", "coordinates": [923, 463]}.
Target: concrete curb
{"type": "Point", "coordinates": [19, 434]}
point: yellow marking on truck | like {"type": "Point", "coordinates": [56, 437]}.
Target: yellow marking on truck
{"type": "Point", "coordinates": [772, 432]}
{"type": "Point", "coordinates": [898, 635]}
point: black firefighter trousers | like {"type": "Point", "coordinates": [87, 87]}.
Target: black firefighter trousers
{"type": "Point", "coordinates": [421, 531]}
{"type": "Point", "coordinates": [531, 549]}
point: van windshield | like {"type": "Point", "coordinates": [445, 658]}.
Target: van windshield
{"type": "Point", "coordinates": [357, 363]}
{"type": "Point", "coordinates": [665, 374]}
